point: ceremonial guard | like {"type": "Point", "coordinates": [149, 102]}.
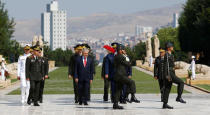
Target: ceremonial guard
{"type": "Point", "coordinates": [84, 70]}
{"type": "Point", "coordinates": [3, 69]}
{"type": "Point", "coordinates": [21, 71]}
{"type": "Point", "coordinates": [170, 77]}
{"type": "Point", "coordinates": [34, 73]}
{"type": "Point", "coordinates": [71, 69]}
{"type": "Point", "coordinates": [109, 72]}
{"type": "Point", "coordinates": [121, 78]}
{"type": "Point", "coordinates": [159, 71]}
{"type": "Point", "coordinates": [124, 95]}
{"type": "Point", "coordinates": [192, 67]}
{"type": "Point", "coordinates": [46, 70]}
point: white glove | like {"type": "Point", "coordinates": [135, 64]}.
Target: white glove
{"type": "Point", "coordinates": [127, 59]}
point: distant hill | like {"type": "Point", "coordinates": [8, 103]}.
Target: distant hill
{"type": "Point", "coordinates": [102, 25]}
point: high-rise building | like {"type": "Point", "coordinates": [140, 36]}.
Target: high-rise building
{"type": "Point", "coordinates": [54, 26]}
{"type": "Point", "coordinates": [143, 30]}
{"type": "Point", "coordinates": [175, 22]}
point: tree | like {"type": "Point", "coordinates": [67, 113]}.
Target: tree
{"type": "Point", "coordinates": [194, 29]}
{"type": "Point", "coordinates": [137, 53]}
{"type": "Point", "coordinates": [9, 48]}
{"type": "Point", "coordinates": [169, 35]}
{"type": "Point", "coordinates": [60, 56]}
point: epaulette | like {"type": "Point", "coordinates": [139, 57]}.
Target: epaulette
{"type": "Point", "coordinates": [31, 57]}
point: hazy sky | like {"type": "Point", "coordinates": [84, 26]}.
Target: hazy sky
{"type": "Point", "coordinates": [28, 9]}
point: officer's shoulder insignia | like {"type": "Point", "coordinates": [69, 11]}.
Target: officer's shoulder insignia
{"type": "Point", "coordinates": [31, 57]}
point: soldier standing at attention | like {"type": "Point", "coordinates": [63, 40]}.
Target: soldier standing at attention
{"type": "Point", "coordinates": [170, 77]}
{"type": "Point", "coordinates": [35, 73]}
{"type": "Point", "coordinates": [24, 83]}
{"type": "Point", "coordinates": [46, 69]}
{"type": "Point", "coordinates": [78, 51]}
{"type": "Point", "coordinates": [159, 70]}
{"type": "Point", "coordinates": [121, 77]}
{"type": "Point", "coordinates": [109, 72]}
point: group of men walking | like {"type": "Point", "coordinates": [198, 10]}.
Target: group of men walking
{"type": "Point", "coordinates": [164, 72]}
{"type": "Point", "coordinates": [116, 73]}
{"type": "Point", "coordinates": [116, 70]}
{"type": "Point", "coordinates": [82, 70]}
{"type": "Point", "coordinates": [32, 72]}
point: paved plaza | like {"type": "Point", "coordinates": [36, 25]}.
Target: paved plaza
{"type": "Point", "coordinates": [64, 105]}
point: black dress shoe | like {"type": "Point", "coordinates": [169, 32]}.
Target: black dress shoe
{"type": "Point", "coordinates": [29, 102]}
{"type": "Point", "coordinates": [85, 103]}
{"type": "Point", "coordinates": [76, 101]}
{"type": "Point", "coordinates": [116, 106]}
{"type": "Point", "coordinates": [133, 99]}
{"type": "Point", "coordinates": [36, 104]}
{"type": "Point", "coordinates": [166, 106]}
{"type": "Point", "coordinates": [40, 101]}
{"type": "Point", "coordinates": [123, 102]}
{"type": "Point", "coordinates": [80, 103]}
{"type": "Point", "coordinates": [180, 100]}
{"type": "Point", "coordinates": [105, 100]}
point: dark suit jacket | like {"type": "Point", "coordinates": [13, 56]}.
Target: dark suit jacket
{"type": "Point", "coordinates": [120, 65]}
{"type": "Point", "coordinates": [84, 73]}
{"type": "Point", "coordinates": [109, 66]}
{"type": "Point", "coordinates": [102, 69]}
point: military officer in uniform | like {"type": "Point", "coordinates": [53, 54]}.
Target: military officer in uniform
{"type": "Point", "coordinates": [121, 78]}
{"type": "Point", "coordinates": [71, 69]}
{"type": "Point", "coordinates": [170, 77]}
{"type": "Point", "coordinates": [109, 72]}
{"type": "Point", "coordinates": [24, 83]}
{"type": "Point", "coordinates": [46, 69]}
{"type": "Point", "coordinates": [159, 70]}
{"type": "Point", "coordinates": [124, 95]}
{"type": "Point", "coordinates": [35, 73]}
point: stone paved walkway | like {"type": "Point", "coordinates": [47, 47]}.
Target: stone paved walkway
{"type": "Point", "coordinates": [64, 105]}
{"type": "Point", "coordinates": [198, 103]}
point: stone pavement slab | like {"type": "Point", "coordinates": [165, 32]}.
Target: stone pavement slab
{"type": "Point", "coordinates": [64, 105]}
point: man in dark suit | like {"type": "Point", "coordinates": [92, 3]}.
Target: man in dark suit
{"type": "Point", "coordinates": [34, 73]}
{"type": "Point", "coordinates": [84, 70]}
{"type": "Point", "coordinates": [109, 72]}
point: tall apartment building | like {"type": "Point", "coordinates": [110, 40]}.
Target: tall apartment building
{"type": "Point", "coordinates": [142, 30]}
{"type": "Point", "coordinates": [175, 22]}
{"type": "Point", "coordinates": [54, 26]}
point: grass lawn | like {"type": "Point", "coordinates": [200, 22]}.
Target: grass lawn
{"type": "Point", "coordinates": [60, 84]}
{"type": "Point", "coordinates": [207, 87]}
{"type": "Point", "coordinates": [13, 80]}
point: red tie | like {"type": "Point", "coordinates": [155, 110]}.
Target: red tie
{"type": "Point", "coordinates": [85, 61]}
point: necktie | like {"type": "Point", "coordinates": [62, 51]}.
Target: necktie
{"type": "Point", "coordinates": [85, 61]}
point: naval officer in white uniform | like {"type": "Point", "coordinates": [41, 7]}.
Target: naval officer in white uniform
{"type": "Point", "coordinates": [25, 83]}
{"type": "Point", "coordinates": [192, 67]}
